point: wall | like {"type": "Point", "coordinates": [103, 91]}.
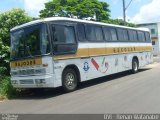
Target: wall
{"type": "Point", "coordinates": [155, 36]}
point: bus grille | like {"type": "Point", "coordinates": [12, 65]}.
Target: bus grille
{"type": "Point", "coordinates": [29, 72]}
{"type": "Point", "coordinates": [26, 82]}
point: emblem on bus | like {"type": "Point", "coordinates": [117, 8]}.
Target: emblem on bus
{"type": "Point", "coordinates": [86, 66]}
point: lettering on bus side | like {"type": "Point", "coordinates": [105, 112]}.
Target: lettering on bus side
{"type": "Point", "coordinates": [124, 49]}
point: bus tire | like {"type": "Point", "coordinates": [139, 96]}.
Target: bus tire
{"type": "Point", "coordinates": [135, 65]}
{"type": "Point", "coordinates": [69, 80]}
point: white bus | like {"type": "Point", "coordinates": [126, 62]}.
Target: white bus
{"type": "Point", "coordinates": [57, 51]}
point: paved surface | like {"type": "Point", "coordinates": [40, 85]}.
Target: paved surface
{"type": "Point", "coordinates": [119, 93]}
{"type": "Point", "coordinates": [157, 58]}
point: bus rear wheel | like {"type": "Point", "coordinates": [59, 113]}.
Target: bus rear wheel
{"type": "Point", "coordinates": [69, 80]}
{"type": "Point", "coordinates": [135, 66]}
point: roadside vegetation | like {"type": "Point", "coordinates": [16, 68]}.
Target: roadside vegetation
{"type": "Point", "coordinates": [63, 8]}
{"type": "Point", "coordinates": [8, 20]}
{"type": "Point", "coordinates": [6, 89]}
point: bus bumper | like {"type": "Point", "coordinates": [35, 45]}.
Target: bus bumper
{"type": "Point", "coordinates": [45, 81]}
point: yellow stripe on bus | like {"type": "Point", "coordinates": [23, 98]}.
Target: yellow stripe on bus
{"type": "Point", "coordinates": [86, 52]}
{"type": "Point", "coordinates": [83, 52]}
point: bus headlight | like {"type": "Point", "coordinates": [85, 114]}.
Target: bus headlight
{"type": "Point", "coordinates": [40, 81]}
{"type": "Point", "coordinates": [40, 71]}
{"type": "Point", "coordinates": [14, 73]}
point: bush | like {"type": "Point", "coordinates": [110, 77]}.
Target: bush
{"type": "Point", "coordinates": [6, 89]}
{"type": "Point", "coordinates": [8, 20]}
{"type": "Point", "coordinates": [2, 71]}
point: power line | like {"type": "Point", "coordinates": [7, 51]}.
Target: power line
{"type": "Point", "coordinates": [128, 4]}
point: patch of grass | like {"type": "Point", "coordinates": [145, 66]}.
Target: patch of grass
{"type": "Point", "coordinates": [6, 89]}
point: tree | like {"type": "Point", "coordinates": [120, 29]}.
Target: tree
{"type": "Point", "coordinates": [119, 22]}
{"type": "Point", "coordinates": [79, 8]}
{"type": "Point", "coordinates": [9, 20]}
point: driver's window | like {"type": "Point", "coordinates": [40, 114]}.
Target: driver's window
{"type": "Point", "coordinates": [64, 40]}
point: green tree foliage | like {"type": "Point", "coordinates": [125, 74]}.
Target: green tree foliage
{"type": "Point", "coordinates": [9, 20]}
{"type": "Point", "coordinates": [6, 89]}
{"type": "Point", "coordinates": [119, 22]}
{"type": "Point", "coordinates": [79, 8]}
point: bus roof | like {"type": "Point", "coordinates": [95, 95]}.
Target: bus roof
{"type": "Point", "coordinates": [49, 19]}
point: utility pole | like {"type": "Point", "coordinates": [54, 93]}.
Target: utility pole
{"type": "Point", "coordinates": [124, 12]}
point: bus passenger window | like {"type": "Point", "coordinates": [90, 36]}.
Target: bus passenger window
{"type": "Point", "coordinates": [147, 35]}
{"type": "Point", "coordinates": [120, 34]}
{"type": "Point", "coordinates": [90, 33]}
{"type": "Point", "coordinates": [132, 35]}
{"type": "Point", "coordinates": [141, 36]}
{"type": "Point", "coordinates": [94, 33]}
{"type": "Point", "coordinates": [107, 34]}
{"type": "Point", "coordinates": [81, 32]}
{"type": "Point", "coordinates": [125, 33]}
{"type": "Point", "coordinates": [113, 34]}
{"type": "Point", "coordinates": [99, 33]}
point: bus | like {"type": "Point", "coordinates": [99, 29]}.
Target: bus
{"type": "Point", "coordinates": [58, 51]}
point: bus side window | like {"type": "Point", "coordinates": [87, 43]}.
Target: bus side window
{"type": "Point", "coordinates": [107, 33]}
{"type": "Point", "coordinates": [120, 34]}
{"type": "Point", "coordinates": [81, 32]}
{"type": "Point", "coordinates": [99, 33]}
{"type": "Point", "coordinates": [113, 34]}
{"type": "Point", "coordinates": [64, 41]}
{"type": "Point", "coordinates": [141, 36]}
{"type": "Point", "coordinates": [147, 35]}
{"type": "Point", "coordinates": [90, 33]}
{"type": "Point", "coordinates": [132, 35]}
{"type": "Point", "coordinates": [94, 33]}
{"type": "Point", "coordinates": [125, 33]}
{"type": "Point", "coordinates": [135, 35]}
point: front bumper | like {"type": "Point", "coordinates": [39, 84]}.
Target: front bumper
{"type": "Point", "coordinates": [39, 81]}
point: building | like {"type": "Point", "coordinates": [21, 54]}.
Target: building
{"type": "Point", "coordinates": [155, 35]}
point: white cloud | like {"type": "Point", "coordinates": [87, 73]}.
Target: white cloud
{"type": "Point", "coordinates": [148, 13]}
{"type": "Point", "coordinates": [34, 6]}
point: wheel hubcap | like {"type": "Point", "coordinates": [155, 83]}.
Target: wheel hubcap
{"type": "Point", "coordinates": [70, 80]}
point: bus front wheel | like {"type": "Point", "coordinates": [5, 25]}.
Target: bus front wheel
{"type": "Point", "coordinates": [69, 80]}
{"type": "Point", "coordinates": [135, 66]}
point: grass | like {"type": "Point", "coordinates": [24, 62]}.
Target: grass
{"type": "Point", "coordinates": [6, 89]}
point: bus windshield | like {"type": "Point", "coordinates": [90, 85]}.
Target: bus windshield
{"type": "Point", "coordinates": [29, 42]}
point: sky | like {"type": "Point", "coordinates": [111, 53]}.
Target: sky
{"type": "Point", "coordinates": [139, 11]}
